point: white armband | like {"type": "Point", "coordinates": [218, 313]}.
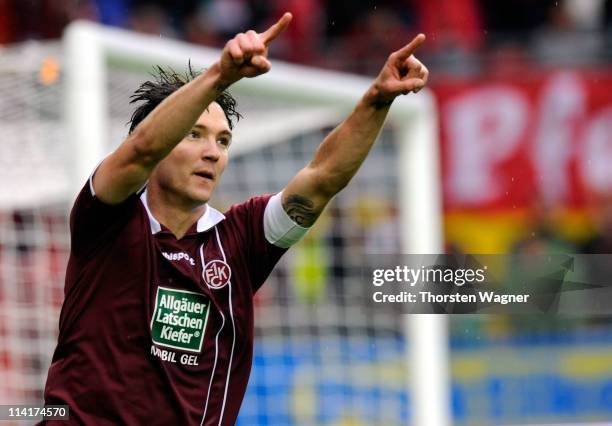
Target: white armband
{"type": "Point", "coordinates": [91, 176]}
{"type": "Point", "coordinates": [279, 228]}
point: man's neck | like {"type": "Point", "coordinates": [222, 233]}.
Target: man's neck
{"type": "Point", "coordinates": [171, 213]}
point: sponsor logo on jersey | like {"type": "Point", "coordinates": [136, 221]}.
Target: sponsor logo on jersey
{"type": "Point", "coordinates": [179, 319]}
{"type": "Point", "coordinates": [216, 274]}
{"type": "Point", "coordinates": [179, 256]}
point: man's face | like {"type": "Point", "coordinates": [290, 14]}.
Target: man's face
{"type": "Point", "coordinates": [190, 173]}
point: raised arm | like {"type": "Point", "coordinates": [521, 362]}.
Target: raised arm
{"type": "Point", "coordinates": [340, 155]}
{"type": "Point", "coordinates": [125, 170]}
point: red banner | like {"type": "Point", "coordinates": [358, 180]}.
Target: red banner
{"type": "Point", "coordinates": [508, 143]}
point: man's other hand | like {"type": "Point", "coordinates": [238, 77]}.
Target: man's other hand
{"type": "Point", "coordinates": [402, 73]}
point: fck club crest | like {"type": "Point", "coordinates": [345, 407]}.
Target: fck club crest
{"type": "Point", "coordinates": [216, 274]}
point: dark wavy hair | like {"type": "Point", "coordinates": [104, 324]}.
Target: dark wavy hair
{"type": "Point", "coordinates": [167, 81]}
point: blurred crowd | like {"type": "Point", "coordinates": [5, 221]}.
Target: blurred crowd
{"type": "Point", "coordinates": [465, 36]}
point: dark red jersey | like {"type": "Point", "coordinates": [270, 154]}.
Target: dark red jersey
{"type": "Point", "coordinates": [155, 330]}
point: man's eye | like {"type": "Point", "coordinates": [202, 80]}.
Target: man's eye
{"type": "Point", "coordinates": [224, 142]}
{"type": "Point", "coordinates": [194, 134]}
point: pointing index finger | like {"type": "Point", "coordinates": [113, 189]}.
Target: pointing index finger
{"type": "Point", "coordinates": [409, 49]}
{"type": "Point", "coordinates": [275, 30]}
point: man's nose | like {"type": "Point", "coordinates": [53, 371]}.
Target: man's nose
{"type": "Point", "coordinates": [211, 150]}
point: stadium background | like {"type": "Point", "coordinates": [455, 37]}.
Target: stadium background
{"type": "Point", "coordinates": [525, 101]}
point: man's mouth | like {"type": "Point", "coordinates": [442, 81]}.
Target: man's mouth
{"type": "Point", "coordinates": [205, 175]}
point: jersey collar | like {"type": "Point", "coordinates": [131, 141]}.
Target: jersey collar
{"type": "Point", "coordinates": [208, 220]}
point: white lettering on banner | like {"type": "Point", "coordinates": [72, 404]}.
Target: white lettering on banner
{"type": "Point", "coordinates": [561, 109]}
{"type": "Point", "coordinates": [561, 124]}
{"type": "Point", "coordinates": [483, 129]}
{"type": "Point", "coordinates": [596, 155]}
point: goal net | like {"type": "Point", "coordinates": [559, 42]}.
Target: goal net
{"type": "Point", "coordinates": [323, 354]}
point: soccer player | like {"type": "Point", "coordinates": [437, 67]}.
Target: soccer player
{"type": "Point", "coordinates": [157, 322]}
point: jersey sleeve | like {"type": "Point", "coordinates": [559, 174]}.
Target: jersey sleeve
{"type": "Point", "coordinates": [94, 223]}
{"type": "Point", "coordinates": [261, 254]}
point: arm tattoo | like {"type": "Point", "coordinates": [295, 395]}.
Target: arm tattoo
{"type": "Point", "coordinates": [300, 210]}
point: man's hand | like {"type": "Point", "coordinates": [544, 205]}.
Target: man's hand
{"type": "Point", "coordinates": [246, 54]}
{"type": "Point", "coordinates": [401, 74]}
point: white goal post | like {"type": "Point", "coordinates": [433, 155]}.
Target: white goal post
{"type": "Point", "coordinates": [325, 98]}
